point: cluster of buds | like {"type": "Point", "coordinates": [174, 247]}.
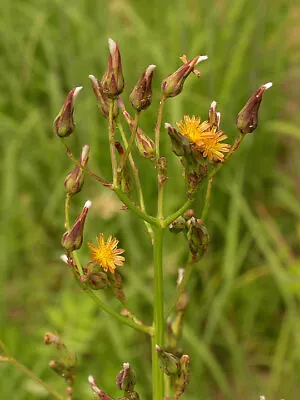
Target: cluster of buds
{"type": "Point", "coordinates": [73, 238]}
{"type": "Point", "coordinates": [65, 366]}
{"type": "Point", "coordinates": [125, 381]}
{"type": "Point", "coordinates": [177, 368]}
{"type": "Point", "coordinates": [195, 231]}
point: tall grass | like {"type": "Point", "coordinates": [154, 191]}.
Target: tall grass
{"type": "Point", "coordinates": [241, 327]}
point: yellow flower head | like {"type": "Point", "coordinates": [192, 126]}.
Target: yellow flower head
{"type": "Point", "coordinates": [206, 137]}
{"type": "Point", "coordinates": [193, 129]}
{"type": "Point", "coordinates": [106, 254]}
{"type": "Point", "coordinates": [212, 147]}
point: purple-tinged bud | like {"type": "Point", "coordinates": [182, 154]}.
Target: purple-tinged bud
{"type": "Point", "coordinates": [178, 141]}
{"type": "Point", "coordinates": [141, 94]}
{"type": "Point", "coordinates": [247, 119]}
{"type": "Point", "coordinates": [75, 179]}
{"type": "Point", "coordinates": [113, 81]}
{"type": "Point", "coordinates": [102, 99]}
{"type": "Point", "coordinates": [64, 123]}
{"type": "Point", "coordinates": [126, 378]}
{"type": "Point", "coordinates": [144, 144]}
{"type": "Point", "coordinates": [99, 392]}
{"type": "Point", "coordinates": [169, 363]}
{"type": "Point", "coordinates": [173, 84]}
{"type": "Point", "coordinates": [72, 240]}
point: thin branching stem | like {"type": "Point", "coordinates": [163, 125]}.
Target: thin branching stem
{"type": "Point", "coordinates": [111, 133]}
{"type": "Point", "coordinates": [207, 199]}
{"type": "Point", "coordinates": [17, 364]}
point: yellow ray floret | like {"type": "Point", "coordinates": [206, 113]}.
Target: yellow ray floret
{"type": "Point", "coordinates": [193, 128]}
{"type": "Point", "coordinates": [212, 147]}
{"type": "Point", "coordinates": [106, 254]}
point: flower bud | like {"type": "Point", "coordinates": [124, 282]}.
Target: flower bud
{"type": "Point", "coordinates": [75, 179]}
{"type": "Point", "coordinates": [168, 362]}
{"type": "Point", "coordinates": [162, 164]}
{"type": "Point", "coordinates": [178, 225]}
{"type": "Point", "coordinates": [102, 99]}
{"type": "Point", "coordinates": [178, 141]}
{"type": "Point", "coordinates": [214, 116]}
{"type": "Point", "coordinates": [50, 338]}
{"type": "Point", "coordinates": [126, 378]}
{"type": "Point", "coordinates": [126, 177]}
{"type": "Point", "coordinates": [95, 277]}
{"type": "Point", "coordinates": [113, 80]}
{"type": "Point", "coordinates": [144, 144]}
{"type": "Point", "coordinates": [99, 392]}
{"type": "Point", "coordinates": [72, 239]}
{"type": "Point", "coordinates": [64, 123]}
{"type": "Point", "coordinates": [197, 236]}
{"type": "Point", "coordinates": [116, 286]}
{"type": "Point", "coordinates": [247, 119]}
{"type": "Point", "coordinates": [141, 94]}
{"type": "Point", "coordinates": [173, 84]}
{"type": "Point", "coordinates": [132, 396]}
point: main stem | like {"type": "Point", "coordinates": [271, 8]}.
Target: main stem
{"type": "Point", "coordinates": [158, 323]}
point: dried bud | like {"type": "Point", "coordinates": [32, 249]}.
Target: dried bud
{"type": "Point", "coordinates": [99, 392]}
{"type": "Point", "coordinates": [178, 225]}
{"type": "Point", "coordinates": [64, 123]}
{"type": "Point", "coordinates": [132, 396]}
{"type": "Point", "coordinates": [72, 240]}
{"type": "Point", "coordinates": [183, 379]}
{"type": "Point", "coordinates": [144, 144]}
{"type": "Point", "coordinates": [50, 338]}
{"type": "Point", "coordinates": [102, 99]}
{"type": "Point", "coordinates": [126, 378]}
{"type": "Point", "coordinates": [141, 94]}
{"type": "Point", "coordinates": [75, 179]}
{"type": "Point", "coordinates": [173, 84]}
{"type": "Point", "coordinates": [117, 286]}
{"type": "Point", "coordinates": [198, 237]}
{"type": "Point", "coordinates": [169, 363]}
{"type": "Point", "coordinates": [247, 119]}
{"type": "Point", "coordinates": [162, 170]}
{"type": "Point", "coordinates": [113, 81]}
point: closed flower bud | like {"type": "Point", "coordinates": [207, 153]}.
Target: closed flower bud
{"type": "Point", "coordinates": [173, 84]}
{"type": "Point", "coordinates": [169, 363]}
{"type": "Point", "coordinates": [144, 144]}
{"type": "Point", "coordinates": [116, 286]}
{"type": "Point", "coordinates": [72, 239]}
{"type": "Point", "coordinates": [113, 80]}
{"type": "Point", "coordinates": [102, 99]}
{"type": "Point", "coordinates": [197, 236]}
{"type": "Point", "coordinates": [141, 94]}
{"type": "Point", "coordinates": [95, 277]}
{"type": "Point", "coordinates": [179, 142]}
{"type": "Point", "coordinates": [126, 378]}
{"type": "Point", "coordinates": [247, 119]}
{"type": "Point", "coordinates": [64, 123]}
{"type": "Point", "coordinates": [75, 179]}
{"type": "Point", "coordinates": [178, 225]}
{"type": "Point", "coordinates": [126, 177]}
{"type": "Point", "coordinates": [214, 116]}
{"type": "Point", "coordinates": [99, 392]}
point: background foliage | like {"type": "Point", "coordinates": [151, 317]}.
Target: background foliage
{"type": "Point", "coordinates": [242, 325]}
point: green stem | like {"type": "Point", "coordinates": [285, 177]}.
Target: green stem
{"type": "Point", "coordinates": [158, 322]}
{"type": "Point", "coordinates": [29, 373]}
{"type": "Point", "coordinates": [85, 168]}
{"type": "Point", "coordinates": [108, 310]}
{"type": "Point", "coordinates": [233, 149]}
{"type": "Point", "coordinates": [124, 198]}
{"type": "Point", "coordinates": [136, 178]}
{"type": "Point", "coordinates": [158, 125]}
{"type": "Point", "coordinates": [111, 133]}
{"type": "Point", "coordinates": [207, 199]}
{"type": "Point", "coordinates": [179, 212]}
{"type": "Point", "coordinates": [67, 206]}
{"type": "Point", "coordinates": [130, 144]}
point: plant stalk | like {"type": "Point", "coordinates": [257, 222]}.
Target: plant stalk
{"type": "Point", "coordinates": [158, 321]}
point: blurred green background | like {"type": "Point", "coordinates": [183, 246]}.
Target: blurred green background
{"type": "Point", "coordinates": [242, 326]}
